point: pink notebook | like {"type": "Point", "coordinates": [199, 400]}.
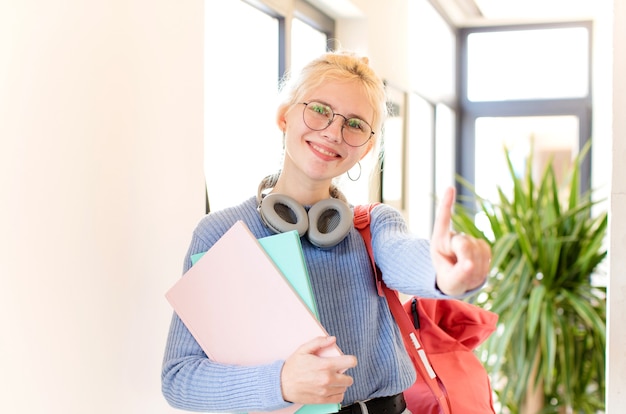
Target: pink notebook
{"type": "Point", "coordinates": [240, 308]}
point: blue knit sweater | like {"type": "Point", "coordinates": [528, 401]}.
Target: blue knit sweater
{"type": "Point", "coordinates": [349, 306]}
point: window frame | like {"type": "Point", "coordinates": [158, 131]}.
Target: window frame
{"type": "Point", "coordinates": [470, 111]}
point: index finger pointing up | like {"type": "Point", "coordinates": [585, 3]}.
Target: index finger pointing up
{"type": "Point", "coordinates": [441, 228]}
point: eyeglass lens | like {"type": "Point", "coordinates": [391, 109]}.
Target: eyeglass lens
{"type": "Point", "coordinates": [318, 116]}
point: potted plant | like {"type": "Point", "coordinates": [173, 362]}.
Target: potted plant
{"type": "Point", "coordinates": [548, 354]}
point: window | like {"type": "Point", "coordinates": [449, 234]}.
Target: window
{"type": "Point", "coordinates": [419, 167]}
{"type": "Point", "coordinates": [307, 43]}
{"type": "Point", "coordinates": [431, 113]}
{"type": "Point", "coordinates": [526, 88]}
{"type": "Point", "coordinates": [242, 141]}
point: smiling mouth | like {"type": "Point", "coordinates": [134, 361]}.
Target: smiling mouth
{"type": "Point", "coordinates": [324, 151]}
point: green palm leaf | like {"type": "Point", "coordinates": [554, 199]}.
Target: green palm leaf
{"type": "Point", "coordinates": [546, 242]}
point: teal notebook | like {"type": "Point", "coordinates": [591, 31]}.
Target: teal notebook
{"type": "Point", "coordinates": [286, 252]}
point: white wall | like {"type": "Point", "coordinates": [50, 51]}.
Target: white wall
{"type": "Point", "coordinates": [616, 366]}
{"type": "Point", "coordinates": [101, 184]}
{"type": "Point", "coordinates": [385, 38]}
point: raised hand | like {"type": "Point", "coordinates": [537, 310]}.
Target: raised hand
{"type": "Point", "coordinates": [307, 378]}
{"type": "Point", "coordinates": [461, 261]}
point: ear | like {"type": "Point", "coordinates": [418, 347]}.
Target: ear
{"type": "Point", "coordinates": [281, 118]}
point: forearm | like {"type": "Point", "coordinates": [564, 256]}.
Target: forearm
{"type": "Point", "coordinates": [193, 382]}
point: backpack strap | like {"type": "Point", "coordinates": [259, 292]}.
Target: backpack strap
{"type": "Point", "coordinates": [410, 335]}
{"type": "Point", "coordinates": [362, 224]}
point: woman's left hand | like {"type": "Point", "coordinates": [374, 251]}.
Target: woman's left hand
{"type": "Point", "coordinates": [462, 262]}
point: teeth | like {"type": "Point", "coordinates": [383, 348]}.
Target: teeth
{"type": "Point", "coordinates": [323, 151]}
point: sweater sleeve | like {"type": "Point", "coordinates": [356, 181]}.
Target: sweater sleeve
{"type": "Point", "coordinates": [191, 381]}
{"type": "Point", "coordinates": [404, 259]}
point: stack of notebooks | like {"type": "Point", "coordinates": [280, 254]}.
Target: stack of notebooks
{"type": "Point", "coordinates": [249, 301]}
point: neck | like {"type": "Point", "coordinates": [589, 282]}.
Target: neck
{"type": "Point", "coordinates": [305, 194]}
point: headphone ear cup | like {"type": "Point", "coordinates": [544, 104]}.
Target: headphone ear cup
{"type": "Point", "coordinates": [330, 221]}
{"type": "Point", "coordinates": [282, 214]}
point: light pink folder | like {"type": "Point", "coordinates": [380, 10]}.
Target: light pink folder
{"type": "Point", "coordinates": [240, 308]}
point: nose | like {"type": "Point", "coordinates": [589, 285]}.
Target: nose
{"type": "Point", "coordinates": [334, 129]}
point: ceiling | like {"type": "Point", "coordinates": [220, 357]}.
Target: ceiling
{"type": "Point", "coordinates": [464, 13]}
{"type": "Point", "coordinates": [491, 12]}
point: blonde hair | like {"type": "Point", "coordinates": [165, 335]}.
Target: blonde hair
{"type": "Point", "coordinates": [338, 66]}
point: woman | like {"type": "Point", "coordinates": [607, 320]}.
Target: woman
{"type": "Point", "coordinates": [331, 117]}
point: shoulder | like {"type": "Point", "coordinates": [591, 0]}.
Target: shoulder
{"type": "Point", "coordinates": [383, 218]}
{"type": "Point", "coordinates": [378, 209]}
{"type": "Point", "coordinates": [213, 226]}
{"type": "Point", "coordinates": [386, 214]}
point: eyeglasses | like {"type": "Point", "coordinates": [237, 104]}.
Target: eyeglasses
{"type": "Point", "coordinates": [354, 131]}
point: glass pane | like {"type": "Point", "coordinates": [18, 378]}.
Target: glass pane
{"type": "Point", "coordinates": [393, 149]}
{"type": "Point", "coordinates": [528, 64]}
{"type": "Point", "coordinates": [445, 149]}
{"type": "Point", "coordinates": [420, 165]}
{"type": "Point", "coordinates": [242, 141]}
{"type": "Point", "coordinates": [552, 137]}
{"type": "Point", "coordinates": [306, 44]}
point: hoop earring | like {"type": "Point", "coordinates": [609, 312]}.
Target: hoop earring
{"type": "Point", "coordinates": [358, 176]}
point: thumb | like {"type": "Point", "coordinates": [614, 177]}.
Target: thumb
{"type": "Point", "coordinates": [320, 347]}
{"type": "Point", "coordinates": [317, 345]}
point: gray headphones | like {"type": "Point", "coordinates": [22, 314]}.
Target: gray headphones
{"type": "Point", "coordinates": [326, 224]}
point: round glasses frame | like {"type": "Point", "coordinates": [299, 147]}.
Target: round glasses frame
{"type": "Point", "coordinates": [330, 120]}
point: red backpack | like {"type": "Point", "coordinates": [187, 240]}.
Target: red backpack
{"type": "Point", "coordinates": [440, 336]}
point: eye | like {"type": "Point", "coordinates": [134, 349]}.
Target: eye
{"type": "Point", "coordinates": [356, 123]}
{"type": "Point", "coordinates": [321, 109]}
